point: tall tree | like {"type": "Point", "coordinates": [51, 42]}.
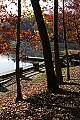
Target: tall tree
{"type": "Point", "coordinates": [73, 20]}
{"type": "Point", "coordinates": [19, 95]}
{"type": "Point", "coordinates": [64, 33]}
{"type": "Point", "coordinates": [56, 47]}
{"type": "Point", "coordinates": [51, 78]}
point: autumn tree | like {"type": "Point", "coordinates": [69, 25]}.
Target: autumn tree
{"type": "Point", "coordinates": [69, 18]}
{"type": "Point", "coordinates": [73, 21]}
{"type": "Point", "coordinates": [8, 31]}
{"type": "Point", "coordinates": [4, 32]}
{"type": "Point", "coordinates": [19, 94]}
{"type": "Point", "coordinates": [51, 78]}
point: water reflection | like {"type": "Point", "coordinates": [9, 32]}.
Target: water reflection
{"type": "Point", "coordinates": [7, 63]}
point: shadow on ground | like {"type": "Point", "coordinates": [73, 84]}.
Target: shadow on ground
{"type": "Point", "coordinates": [3, 89]}
{"type": "Point", "coordinates": [70, 83]}
{"type": "Point", "coordinates": [62, 106]}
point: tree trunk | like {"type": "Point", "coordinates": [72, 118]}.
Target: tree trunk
{"type": "Point", "coordinates": [56, 47]}
{"type": "Point", "coordinates": [51, 78]}
{"type": "Point", "coordinates": [19, 95]}
{"type": "Point", "coordinates": [64, 33]}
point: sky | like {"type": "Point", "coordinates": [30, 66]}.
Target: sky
{"type": "Point", "coordinates": [13, 7]}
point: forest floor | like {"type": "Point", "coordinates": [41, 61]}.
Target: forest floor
{"type": "Point", "coordinates": [37, 103]}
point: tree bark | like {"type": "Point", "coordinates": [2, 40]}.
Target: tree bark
{"type": "Point", "coordinates": [19, 95]}
{"type": "Point", "coordinates": [56, 47]}
{"type": "Point", "coordinates": [64, 33]}
{"type": "Point", "coordinates": [51, 78]}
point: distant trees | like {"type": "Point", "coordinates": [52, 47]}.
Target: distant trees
{"type": "Point", "coordinates": [4, 46]}
{"type": "Point", "coordinates": [73, 21]}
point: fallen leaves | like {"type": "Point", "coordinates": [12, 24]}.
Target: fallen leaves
{"type": "Point", "coordinates": [38, 104]}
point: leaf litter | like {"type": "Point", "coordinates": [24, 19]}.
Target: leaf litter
{"type": "Point", "coordinates": [39, 104]}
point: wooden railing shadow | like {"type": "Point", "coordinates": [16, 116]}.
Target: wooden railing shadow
{"type": "Point", "coordinates": [3, 89]}
{"type": "Point", "coordinates": [61, 105]}
{"type": "Point", "coordinates": [70, 83]}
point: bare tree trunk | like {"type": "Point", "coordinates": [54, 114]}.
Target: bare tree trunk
{"type": "Point", "coordinates": [56, 47]}
{"type": "Point", "coordinates": [19, 95]}
{"type": "Point", "coordinates": [64, 32]}
{"type": "Point", "coordinates": [51, 78]}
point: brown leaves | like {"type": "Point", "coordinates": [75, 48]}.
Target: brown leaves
{"type": "Point", "coordinates": [39, 104]}
{"type": "Point", "coordinates": [4, 45]}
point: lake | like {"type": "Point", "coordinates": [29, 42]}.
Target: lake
{"type": "Point", "coordinates": [8, 64]}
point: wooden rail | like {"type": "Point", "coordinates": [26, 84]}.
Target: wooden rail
{"type": "Point", "coordinates": [28, 71]}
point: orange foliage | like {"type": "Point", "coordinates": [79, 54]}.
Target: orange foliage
{"type": "Point", "coordinates": [48, 16]}
{"type": "Point", "coordinates": [8, 32]}
{"type": "Point", "coordinates": [4, 46]}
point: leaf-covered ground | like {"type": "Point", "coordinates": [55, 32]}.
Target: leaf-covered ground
{"type": "Point", "coordinates": [38, 104]}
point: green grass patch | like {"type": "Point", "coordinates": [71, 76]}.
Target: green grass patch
{"type": "Point", "coordinates": [70, 51]}
{"type": "Point", "coordinates": [41, 77]}
{"type": "Point", "coordinates": [62, 52]}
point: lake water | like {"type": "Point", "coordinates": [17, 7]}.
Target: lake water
{"type": "Point", "coordinates": [7, 64]}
